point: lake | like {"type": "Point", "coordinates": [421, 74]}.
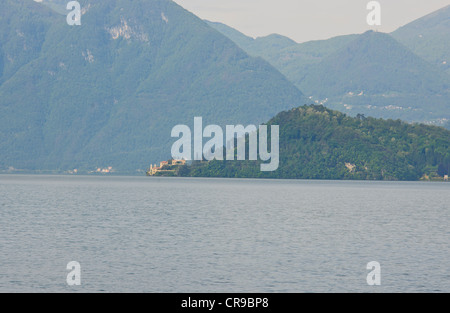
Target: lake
{"type": "Point", "coordinates": [149, 234]}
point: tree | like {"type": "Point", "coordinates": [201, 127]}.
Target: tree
{"type": "Point", "coordinates": [442, 170]}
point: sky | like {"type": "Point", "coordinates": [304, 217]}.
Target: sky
{"type": "Point", "coordinates": [304, 20]}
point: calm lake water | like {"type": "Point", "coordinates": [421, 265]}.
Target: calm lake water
{"type": "Point", "coordinates": [142, 234]}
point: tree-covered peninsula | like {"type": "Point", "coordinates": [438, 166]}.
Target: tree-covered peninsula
{"type": "Point", "coordinates": [319, 143]}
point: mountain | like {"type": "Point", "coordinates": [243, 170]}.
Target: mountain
{"type": "Point", "coordinates": [318, 143]}
{"type": "Point", "coordinates": [374, 63]}
{"type": "Point", "coordinates": [33, 23]}
{"type": "Point", "coordinates": [429, 37]}
{"type": "Point", "coordinates": [291, 58]}
{"type": "Point", "coordinates": [374, 74]}
{"type": "Point", "coordinates": [243, 41]}
{"type": "Point", "coordinates": [371, 73]}
{"type": "Point", "coordinates": [108, 92]}
{"type": "Point", "coordinates": [58, 6]}
{"type": "Point", "coordinates": [266, 47]}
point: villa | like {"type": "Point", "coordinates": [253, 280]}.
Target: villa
{"type": "Point", "coordinates": [165, 167]}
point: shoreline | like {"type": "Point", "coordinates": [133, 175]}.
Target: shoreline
{"type": "Point", "coordinates": [103, 175]}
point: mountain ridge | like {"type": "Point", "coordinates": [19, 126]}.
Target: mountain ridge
{"type": "Point", "coordinates": [314, 67]}
{"type": "Point", "coordinates": [367, 61]}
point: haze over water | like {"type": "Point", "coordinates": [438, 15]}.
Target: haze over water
{"type": "Point", "coordinates": [139, 234]}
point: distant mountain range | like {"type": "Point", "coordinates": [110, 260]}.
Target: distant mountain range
{"type": "Point", "coordinates": [108, 92]}
{"type": "Point", "coordinates": [318, 143]}
{"type": "Point", "coordinates": [402, 75]}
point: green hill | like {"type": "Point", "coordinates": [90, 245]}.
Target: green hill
{"type": "Point", "coordinates": [318, 143]}
{"type": "Point", "coordinates": [108, 92]}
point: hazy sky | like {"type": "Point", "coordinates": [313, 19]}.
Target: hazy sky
{"type": "Point", "coordinates": [304, 20]}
